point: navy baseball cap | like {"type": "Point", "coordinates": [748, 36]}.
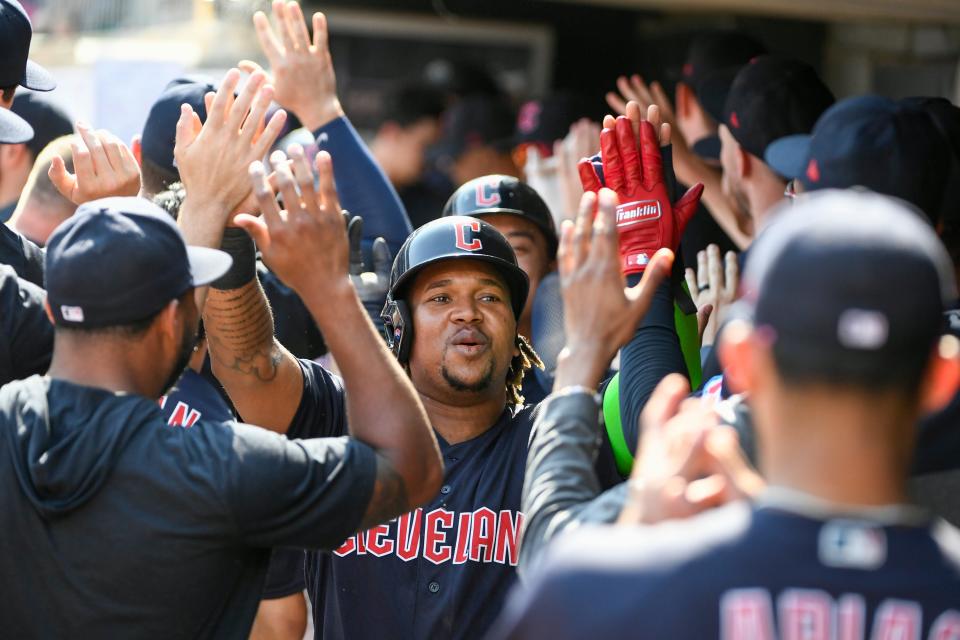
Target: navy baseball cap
{"type": "Point", "coordinates": [16, 69]}
{"type": "Point", "coordinates": [476, 121]}
{"type": "Point", "coordinates": [771, 97]}
{"type": "Point", "coordinates": [874, 280]}
{"type": "Point", "coordinates": [715, 51]}
{"type": "Point", "coordinates": [48, 121]}
{"type": "Point", "coordinates": [160, 129]}
{"type": "Point", "coordinates": [869, 141]}
{"type": "Point", "coordinates": [120, 260]}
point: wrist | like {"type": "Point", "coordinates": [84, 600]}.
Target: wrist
{"type": "Point", "coordinates": [581, 366]}
{"type": "Point", "coordinates": [202, 222]}
{"type": "Point", "coordinates": [331, 298]}
{"type": "Point", "coordinates": [318, 115]}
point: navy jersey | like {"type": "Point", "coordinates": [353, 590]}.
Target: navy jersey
{"type": "Point", "coordinates": [194, 398]}
{"type": "Point", "coordinates": [779, 570]}
{"type": "Point", "coordinates": [442, 571]}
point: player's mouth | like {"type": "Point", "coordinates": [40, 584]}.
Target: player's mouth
{"type": "Point", "coordinates": [469, 341]}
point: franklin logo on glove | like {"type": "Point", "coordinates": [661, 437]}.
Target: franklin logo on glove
{"type": "Point", "coordinates": [636, 212]}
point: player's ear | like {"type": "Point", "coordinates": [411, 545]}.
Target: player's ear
{"type": "Point", "coordinates": [137, 149]}
{"type": "Point", "coordinates": [737, 352]}
{"type": "Point", "coordinates": [166, 321]}
{"type": "Point", "coordinates": [942, 379]}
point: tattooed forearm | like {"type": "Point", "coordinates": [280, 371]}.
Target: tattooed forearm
{"type": "Point", "coordinates": [389, 498]}
{"type": "Point", "coordinates": [239, 327]}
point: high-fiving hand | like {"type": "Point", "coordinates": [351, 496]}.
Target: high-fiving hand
{"type": "Point", "coordinates": [646, 219]}
{"type": "Point", "coordinates": [103, 167]}
{"type": "Point", "coordinates": [306, 244]}
{"type": "Point", "coordinates": [213, 157]}
{"type": "Point", "coordinates": [600, 313]}
{"type": "Point", "coordinates": [302, 69]}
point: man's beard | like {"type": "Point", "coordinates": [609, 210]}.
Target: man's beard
{"type": "Point", "coordinates": [183, 359]}
{"type": "Point", "coordinates": [460, 385]}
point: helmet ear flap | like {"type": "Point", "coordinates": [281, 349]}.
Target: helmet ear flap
{"type": "Point", "coordinates": [397, 328]}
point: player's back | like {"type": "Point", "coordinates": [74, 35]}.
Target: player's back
{"type": "Point", "coordinates": [783, 569]}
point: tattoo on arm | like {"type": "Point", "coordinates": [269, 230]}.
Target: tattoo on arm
{"type": "Point", "coordinates": [389, 498]}
{"type": "Point", "coordinates": [240, 332]}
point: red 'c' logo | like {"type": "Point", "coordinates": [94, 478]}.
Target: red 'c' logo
{"type": "Point", "coordinates": [488, 194]}
{"type": "Point", "coordinates": [474, 244]}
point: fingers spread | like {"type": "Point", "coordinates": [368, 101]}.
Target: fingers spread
{"type": "Point", "coordinates": [616, 103]}
{"type": "Point", "coordinates": [327, 183]}
{"type": "Point", "coordinates": [650, 156]}
{"type": "Point", "coordinates": [63, 180]}
{"type": "Point", "coordinates": [268, 39]}
{"type": "Point", "coordinates": [612, 164]}
{"type": "Point", "coordinates": [264, 195]}
{"type": "Point", "coordinates": [629, 155]}
{"type": "Point", "coordinates": [588, 176]}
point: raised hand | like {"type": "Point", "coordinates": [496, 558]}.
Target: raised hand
{"type": "Point", "coordinates": [713, 285]}
{"type": "Point", "coordinates": [103, 167]}
{"type": "Point", "coordinates": [600, 313]}
{"type": "Point", "coordinates": [302, 69]}
{"type": "Point", "coordinates": [687, 462]}
{"type": "Point", "coordinates": [306, 244]}
{"type": "Point", "coordinates": [580, 142]}
{"type": "Point", "coordinates": [213, 157]}
{"type": "Point", "coordinates": [646, 219]}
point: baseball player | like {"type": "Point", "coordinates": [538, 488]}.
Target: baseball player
{"type": "Point", "coordinates": [456, 296]}
{"type": "Point", "coordinates": [118, 526]}
{"type": "Point", "coordinates": [832, 548]}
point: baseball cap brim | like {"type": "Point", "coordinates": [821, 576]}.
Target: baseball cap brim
{"type": "Point", "coordinates": [713, 90]}
{"type": "Point", "coordinates": [37, 78]}
{"type": "Point", "coordinates": [708, 148]}
{"type": "Point", "coordinates": [13, 128]}
{"type": "Point", "coordinates": [788, 156]}
{"type": "Point", "coordinates": [206, 265]}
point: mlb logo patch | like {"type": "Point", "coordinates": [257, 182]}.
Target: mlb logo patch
{"type": "Point", "coordinates": [71, 314]}
{"type": "Point", "coordinates": [852, 544]}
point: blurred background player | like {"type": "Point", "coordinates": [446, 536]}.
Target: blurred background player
{"type": "Point", "coordinates": [16, 160]}
{"type": "Point", "coordinates": [833, 539]}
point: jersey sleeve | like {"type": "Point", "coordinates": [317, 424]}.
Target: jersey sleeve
{"type": "Point", "coordinates": [306, 493]}
{"type": "Point", "coordinates": [653, 353]}
{"type": "Point", "coordinates": [362, 186]}
{"type": "Point", "coordinates": [25, 331]}
{"type": "Point", "coordinates": [561, 489]}
{"type": "Point", "coordinates": [323, 410]}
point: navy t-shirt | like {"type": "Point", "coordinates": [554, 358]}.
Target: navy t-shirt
{"type": "Point", "coordinates": [118, 526]}
{"type": "Point", "coordinates": [442, 571]}
{"type": "Point", "coordinates": [26, 335]}
{"type": "Point", "coordinates": [739, 573]}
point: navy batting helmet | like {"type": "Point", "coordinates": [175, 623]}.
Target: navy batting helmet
{"type": "Point", "coordinates": [449, 238]}
{"type": "Point", "coordinates": [492, 194]}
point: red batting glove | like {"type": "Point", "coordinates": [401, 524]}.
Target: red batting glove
{"type": "Point", "coordinates": [646, 221]}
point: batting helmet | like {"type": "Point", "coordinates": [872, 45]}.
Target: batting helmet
{"type": "Point", "coordinates": [449, 238]}
{"type": "Point", "coordinates": [492, 194]}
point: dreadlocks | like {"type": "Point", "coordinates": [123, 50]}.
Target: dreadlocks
{"type": "Point", "coordinates": [519, 366]}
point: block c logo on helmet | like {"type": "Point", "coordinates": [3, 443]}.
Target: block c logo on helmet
{"type": "Point", "coordinates": [461, 230]}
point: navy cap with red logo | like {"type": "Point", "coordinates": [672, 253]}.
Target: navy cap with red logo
{"type": "Point", "coordinates": [870, 141]}
{"type": "Point", "coordinates": [875, 280]}
{"type": "Point", "coordinates": [717, 50]}
{"type": "Point", "coordinates": [770, 98]}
